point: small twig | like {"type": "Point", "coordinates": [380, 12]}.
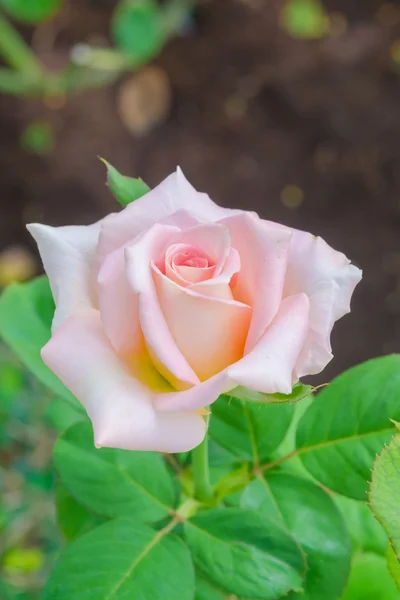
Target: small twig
{"type": "Point", "coordinates": [321, 385]}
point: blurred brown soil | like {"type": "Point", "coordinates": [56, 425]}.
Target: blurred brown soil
{"type": "Point", "coordinates": [253, 112]}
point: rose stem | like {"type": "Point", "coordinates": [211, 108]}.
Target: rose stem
{"type": "Point", "coordinates": [201, 473]}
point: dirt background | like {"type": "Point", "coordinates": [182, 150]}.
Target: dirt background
{"type": "Point", "coordinates": [253, 111]}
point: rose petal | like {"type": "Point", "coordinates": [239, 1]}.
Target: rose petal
{"type": "Point", "coordinates": [189, 275]}
{"type": "Point", "coordinates": [182, 219]}
{"type": "Point", "coordinates": [120, 408]}
{"type": "Point", "coordinates": [219, 286]}
{"type": "Point", "coordinates": [214, 240]}
{"type": "Point", "coordinates": [209, 332]}
{"type": "Point", "coordinates": [173, 194]}
{"type": "Point", "coordinates": [164, 351]}
{"type": "Point", "coordinates": [119, 305]}
{"type": "Point", "coordinates": [198, 396]}
{"type": "Point", "coordinates": [328, 278]}
{"type": "Point", "coordinates": [68, 255]}
{"type": "Point", "coordinates": [263, 254]}
{"type": "Point", "coordinates": [267, 368]}
{"type": "Point", "coordinates": [176, 268]}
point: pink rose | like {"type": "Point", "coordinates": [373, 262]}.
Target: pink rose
{"type": "Point", "coordinates": [173, 301]}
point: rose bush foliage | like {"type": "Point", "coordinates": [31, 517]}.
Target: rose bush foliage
{"type": "Point", "coordinates": [159, 309]}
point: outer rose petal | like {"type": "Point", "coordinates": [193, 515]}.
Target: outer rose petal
{"type": "Point", "coordinates": [267, 368]}
{"type": "Point", "coordinates": [164, 351]}
{"type": "Point", "coordinates": [119, 305]}
{"type": "Point", "coordinates": [121, 409]}
{"type": "Point", "coordinates": [263, 255]}
{"type": "Point", "coordinates": [68, 255]}
{"type": "Point", "coordinates": [328, 278]}
{"type": "Point", "coordinates": [210, 332]}
{"type": "Point", "coordinates": [182, 219]}
{"type": "Point", "coordinates": [173, 194]}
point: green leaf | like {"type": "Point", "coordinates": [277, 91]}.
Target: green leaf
{"type": "Point", "coordinates": [305, 19]}
{"type": "Point", "coordinates": [31, 11]}
{"type": "Point", "coordinates": [384, 495]}
{"type": "Point", "coordinates": [122, 560]}
{"type": "Point", "coordinates": [124, 189]}
{"type": "Point", "coordinates": [61, 414]}
{"type": "Point", "coordinates": [245, 553]}
{"type": "Point", "coordinates": [74, 519]}
{"type": "Point", "coordinates": [182, 457]}
{"type": "Point", "coordinates": [26, 311]}
{"type": "Point", "coordinates": [393, 565]}
{"type": "Point", "coordinates": [232, 482]}
{"type": "Point", "coordinates": [38, 293]}
{"type": "Point", "coordinates": [299, 392]}
{"type": "Point", "coordinates": [287, 447]}
{"type": "Point", "coordinates": [12, 382]}
{"type": "Point", "coordinates": [249, 431]}
{"type": "Point", "coordinates": [219, 456]}
{"type": "Point", "coordinates": [370, 580]}
{"type": "Point", "coordinates": [207, 591]}
{"type": "Point", "coordinates": [310, 515]}
{"type": "Point", "coordinates": [348, 424]}
{"type": "Point", "coordinates": [113, 482]}
{"type": "Point", "coordinates": [137, 28]}
{"type": "Point", "coordinates": [367, 535]}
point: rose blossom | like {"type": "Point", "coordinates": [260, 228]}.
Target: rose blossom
{"type": "Point", "coordinates": [173, 301]}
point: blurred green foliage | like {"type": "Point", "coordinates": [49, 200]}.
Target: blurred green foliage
{"type": "Point", "coordinates": [137, 28]}
{"type": "Point", "coordinates": [23, 560]}
{"type": "Point", "coordinates": [304, 19]}
{"type": "Point", "coordinates": [38, 137]}
{"type": "Point", "coordinates": [31, 11]}
{"type": "Point", "coordinates": [29, 536]}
